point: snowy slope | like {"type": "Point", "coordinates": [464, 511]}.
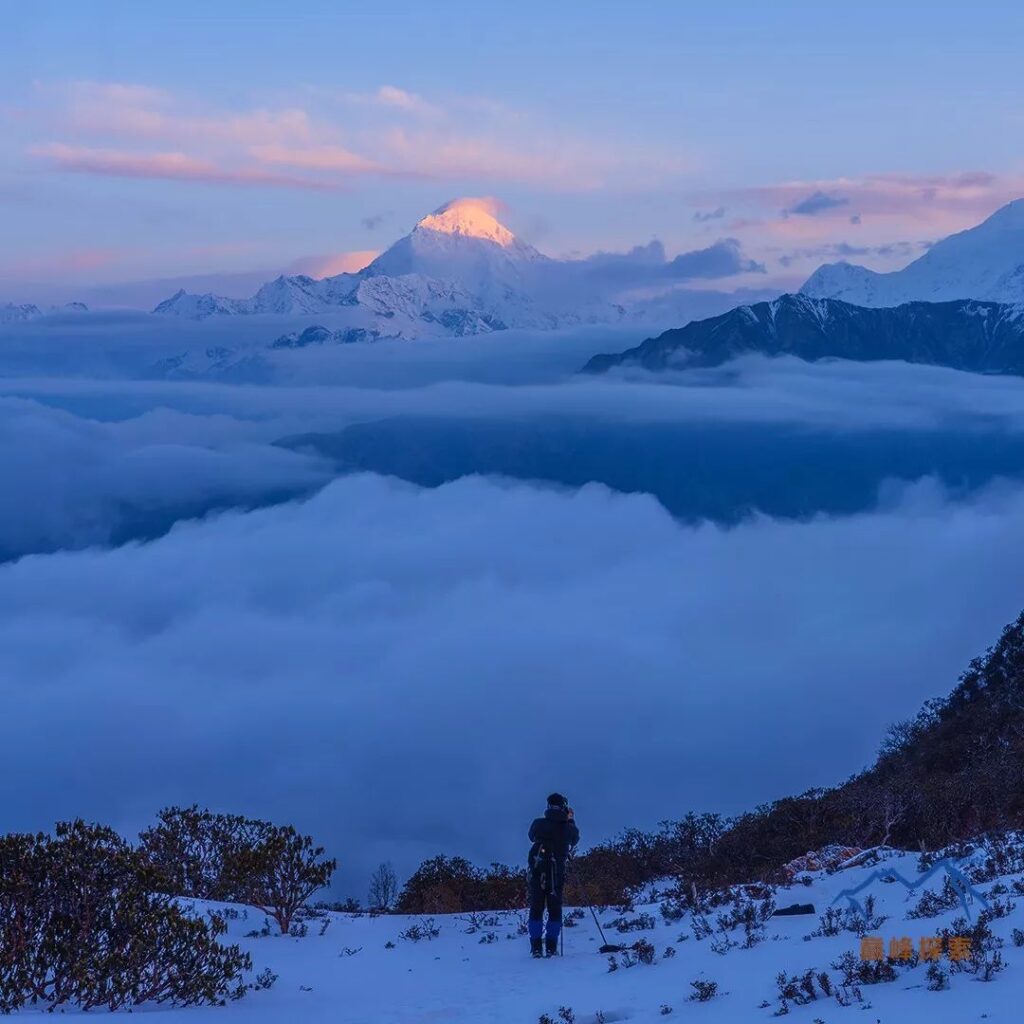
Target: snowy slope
{"type": "Point", "coordinates": [283, 295]}
{"type": "Point", "coordinates": [984, 262]}
{"type": "Point", "coordinates": [478, 970]}
{"type": "Point", "coordinates": [198, 307]}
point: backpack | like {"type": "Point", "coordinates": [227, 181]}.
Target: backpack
{"type": "Point", "coordinates": [543, 868]}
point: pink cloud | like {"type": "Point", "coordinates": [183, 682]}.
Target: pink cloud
{"type": "Point", "coordinates": [454, 156]}
{"type": "Point", "coordinates": [99, 125]}
{"type": "Point", "coordinates": [319, 158]}
{"type": "Point", "coordinates": [391, 96]}
{"type": "Point", "coordinates": [118, 93]}
{"type": "Point", "coordinates": [63, 262]}
{"type": "Point", "coordinates": [136, 111]}
{"type": "Point", "coordinates": [337, 263]}
{"type": "Point", "coordinates": [231, 249]}
{"type": "Point", "coordinates": [882, 220]}
{"type": "Point", "coordinates": [938, 200]}
{"type": "Point", "coordinates": [167, 166]}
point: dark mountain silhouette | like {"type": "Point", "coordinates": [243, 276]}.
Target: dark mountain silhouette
{"type": "Point", "coordinates": [983, 337]}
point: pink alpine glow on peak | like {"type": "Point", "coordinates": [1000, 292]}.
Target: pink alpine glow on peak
{"type": "Point", "coordinates": [472, 217]}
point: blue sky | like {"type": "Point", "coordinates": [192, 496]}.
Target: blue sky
{"type": "Point", "coordinates": [143, 142]}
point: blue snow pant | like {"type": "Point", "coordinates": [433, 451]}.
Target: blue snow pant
{"type": "Point", "coordinates": [549, 901]}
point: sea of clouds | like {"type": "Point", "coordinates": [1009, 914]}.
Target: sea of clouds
{"type": "Point", "coordinates": [190, 612]}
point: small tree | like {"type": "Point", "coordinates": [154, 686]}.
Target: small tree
{"type": "Point", "coordinates": [228, 857]}
{"type": "Point", "coordinates": [189, 848]}
{"type": "Point", "coordinates": [278, 873]}
{"type": "Point", "coordinates": [383, 887]}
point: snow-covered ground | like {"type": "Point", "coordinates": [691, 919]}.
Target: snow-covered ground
{"type": "Point", "coordinates": [361, 971]}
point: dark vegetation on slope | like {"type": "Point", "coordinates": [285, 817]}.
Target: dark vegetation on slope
{"type": "Point", "coordinates": [82, 924]}
{"type": "Point", "coordinates": [88, 920]}
{"type": "Point", "coordinates": [954, 772]}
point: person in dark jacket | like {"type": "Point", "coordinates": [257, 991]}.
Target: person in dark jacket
{"type": "Point", "coordinates": [553, 837]}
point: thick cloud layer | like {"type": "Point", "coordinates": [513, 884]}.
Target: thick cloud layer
{"type": "Point", "coordinates": [646, 265]}
{"type": "Point", "coordinates": [532, 375]}
{"type": "Point", "coordinates": [93, 461]}
{"type": "Point", "coordinates": [69, 481]}
{"type": "Point", "coordinates": [406, 672]}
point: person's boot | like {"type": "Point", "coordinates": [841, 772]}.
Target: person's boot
{"type": "Point", "coordinates": [536, 949]}
{"type": "Point", "coordinates": [552, 945]}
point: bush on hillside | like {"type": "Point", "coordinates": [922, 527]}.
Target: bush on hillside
{"type": "Point", "coordinates": [451, 885]}
{"type": "Point", "coordinates": [80, 924]}
{"type": "Point", "coordinates": [954, 772]}
{"type": "Point", "coordinates": [278, 873]}
{"type": "Point", "coordinates": [189, 849]}
{"type": "Point", "coordinates": [228, 857]}
{"type": "Point", "coordinates": [608, 873]}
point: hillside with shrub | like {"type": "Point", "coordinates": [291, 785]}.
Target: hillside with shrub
{"type": "Point", "coordinates": [954, 772]}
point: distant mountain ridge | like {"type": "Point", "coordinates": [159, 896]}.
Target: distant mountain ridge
{"type": "Point", "coordinates": [11, 313]}
{"type": "Point", "coordinates": [983, 262]}
{"type": "Point", "coordinates": [984, 337]}
{"type": "Point", "coordinates": [459, 266]}
{"type": "Point", "coordinates": [460, 272]}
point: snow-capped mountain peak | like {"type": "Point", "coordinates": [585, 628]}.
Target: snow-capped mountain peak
{"type": "Point", "coordinates": [458, 271]}
{"type": "Point", "coordinates": [198, 307]}
{"type": "Point", "coordinates": [983, 262]}
{"type": "Point", "coordinates": [462, 241]}
{"type": "Point", "coordinates": [471, 218]}
{"type": "Point", "coordinates": [1009, 216]}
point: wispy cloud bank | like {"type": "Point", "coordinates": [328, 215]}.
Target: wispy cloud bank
{"type": "Point", "coordinates": [317, 158]}
{"type": "Point", "coordinates": [123, 129]}
{"type": "Point", "coordinates": [905, 251]}
{"type": "Point", "coordinates": [392, 96]}
{"type": "Point", "coordinates": [648, 266]}
{"type": "Point", "coordinates": [893, 216]}
{"type": "Point", "coordinates": [167, 167]}
{"type": "Point", "coordinates": [938, 201]}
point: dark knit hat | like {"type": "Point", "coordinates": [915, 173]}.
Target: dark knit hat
{"type": "Point", "coordinates": [557, 800]}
